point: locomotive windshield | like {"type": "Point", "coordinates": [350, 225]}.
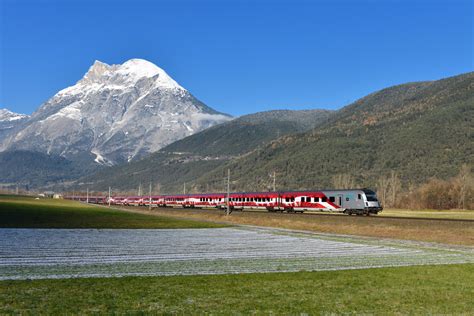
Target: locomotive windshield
{"type": "Point", "coordinates": [371, 197]}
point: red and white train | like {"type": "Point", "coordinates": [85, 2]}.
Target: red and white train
{"type": "Point", "coordinates": [356, 201]}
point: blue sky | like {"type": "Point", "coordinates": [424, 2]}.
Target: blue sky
{"type": "Point", "coordinates": [236, 56]}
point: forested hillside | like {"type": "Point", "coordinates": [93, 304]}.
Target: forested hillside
{"type": "Point", "coordinates": [415, 130]}
{"type": "Point", "coordinates": [29, 169]}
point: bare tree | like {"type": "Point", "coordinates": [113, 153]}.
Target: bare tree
{"type": "Point", "coordinates": [465, 182]}
{"type": "Point", "coordinates": [343, 181]}
{"type": "Point", "coordinates": [157, 188]}
{"type": "Point", "coordinates": [394, 187]}
{"type": "Point", "coordinates": [382, 189]}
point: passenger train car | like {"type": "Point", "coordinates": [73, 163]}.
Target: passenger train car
{"type": "Point", "coordinates": [356, 201]}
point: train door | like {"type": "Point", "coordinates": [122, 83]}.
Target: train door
{"type": "Point", "coordinates": [340, 200]}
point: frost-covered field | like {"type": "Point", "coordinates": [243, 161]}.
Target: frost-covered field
{"type": "Point", "coordinates": [65, 253]}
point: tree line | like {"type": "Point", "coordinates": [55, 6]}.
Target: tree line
{"type": "Point", "coordinates": [453, 193]}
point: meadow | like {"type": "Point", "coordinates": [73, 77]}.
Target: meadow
{"type": "Point", "coordinates": [28, 212]}
{"type": "Point", "coordinates": [386, 291]}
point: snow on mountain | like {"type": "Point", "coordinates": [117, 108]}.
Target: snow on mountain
{"type": "Point", "coordinates": [9, 116]}
{"type": "Point", "coordinates": [9, 121]}
{"type": "Point", "coordinates": [115, 113]}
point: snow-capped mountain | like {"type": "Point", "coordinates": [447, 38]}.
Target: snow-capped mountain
{"type": "Point", "coordinates": [8, 121]}
{"type": "Point", "coordinates": [115, 113]}
{"type": "Point", "coordinates": [9, 116]}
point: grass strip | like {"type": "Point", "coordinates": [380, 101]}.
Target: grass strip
{"type": "Point", "coordinates": [425, 290]}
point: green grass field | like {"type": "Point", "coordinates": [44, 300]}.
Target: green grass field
{"type": "Point", "coordinates": [424, 290]}
{"type": "Point", "coordinates": [441, 214]}
{"type": "Point", "coordinates": [27, 212]}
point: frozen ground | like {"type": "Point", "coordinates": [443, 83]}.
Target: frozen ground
{"type": "Point", "coordinates": [66, 253]}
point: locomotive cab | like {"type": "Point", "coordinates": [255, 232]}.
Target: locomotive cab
{"type": "Point", "coordinates": [372, 204]}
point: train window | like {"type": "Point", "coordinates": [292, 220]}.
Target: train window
{"type": "Point", "coordinates": [332, 199]}
{"type": "Point", "coordinates": [292, 199]}
{"type": "Point", "coordinates": [359, 196]}
{"type": "Point", "coordinates": [324, 199]}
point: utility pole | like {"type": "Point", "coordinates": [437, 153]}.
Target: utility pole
{"type": "Point", "coordinates": [109, 196]}
{"type": "Point", "coordinates": [228, 192]}
{"type": "Point", "coordinates": [149, 200]}
{"type": "Point", "coordinates": [87, 196]}
{"type": "Point", "coordinates": [184, 189]}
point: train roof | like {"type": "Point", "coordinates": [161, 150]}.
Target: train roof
{"type": "Point", "coordinates": [365, 190]}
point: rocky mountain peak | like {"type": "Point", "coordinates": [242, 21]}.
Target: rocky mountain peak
{"type": "Point", "coordinates": [96, 71]}
{"type": "Point", "coordinates": [122, 76]}
{"type": "Point", "coordinates": [115, 113]}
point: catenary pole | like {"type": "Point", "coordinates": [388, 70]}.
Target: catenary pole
{"type": "Point", "coordinates": [228, 192]}
{"type": "Point", "coordinates": [87, 196]}
{"type": "Point", "coordinates": [109, 196]}
{"type": "Point", "coordinates": [149, 200]}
